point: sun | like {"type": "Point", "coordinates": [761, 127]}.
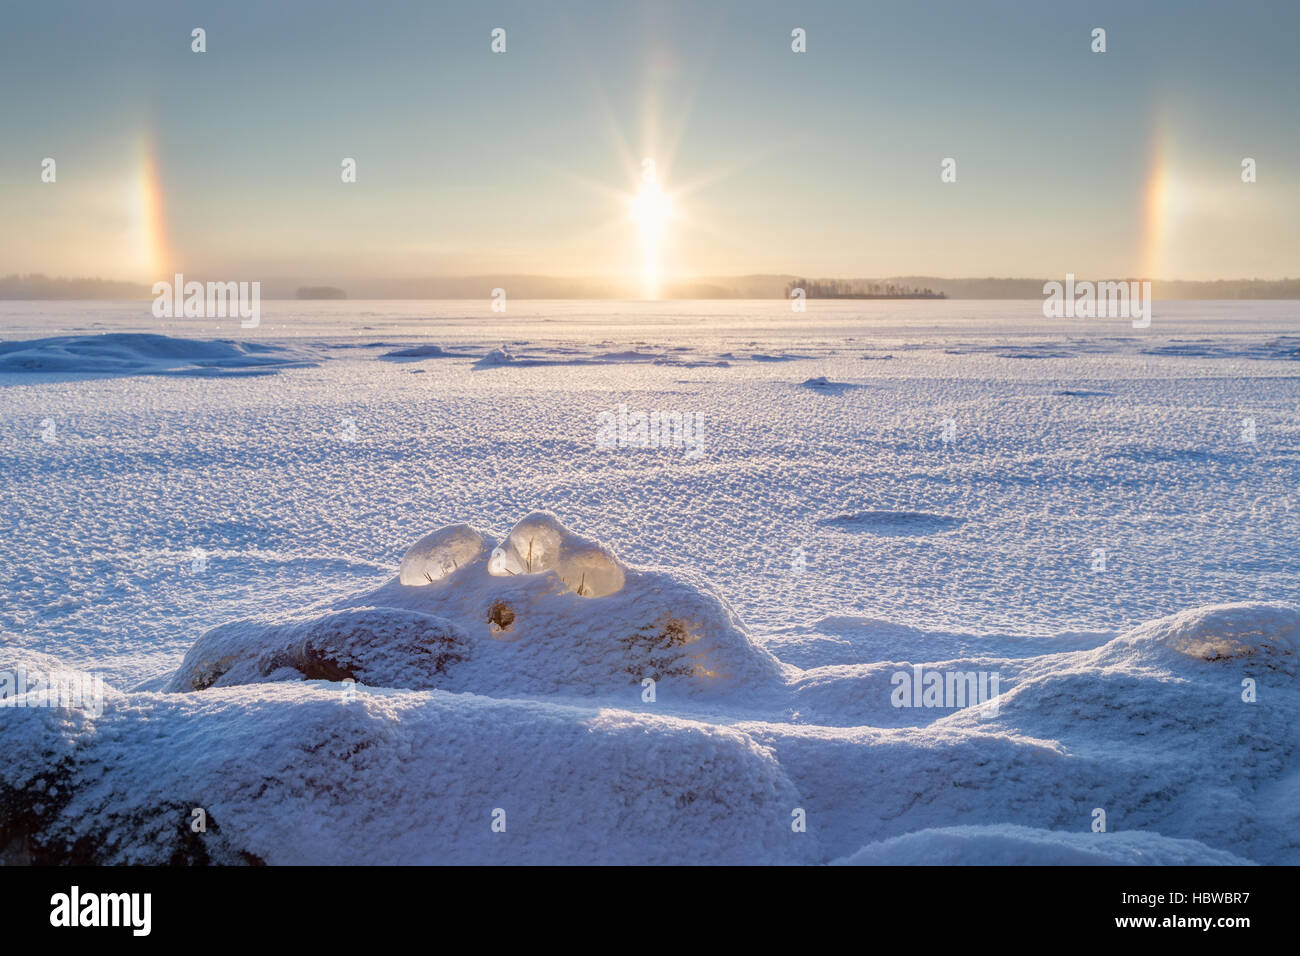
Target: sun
{"type": "Point", "coordinates": [649, 212]}
{"type": "Point", "coordinates": [651, 209]}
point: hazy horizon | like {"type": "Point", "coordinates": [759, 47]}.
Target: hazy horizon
{"type": "Point", "coordinates": [524, 287]}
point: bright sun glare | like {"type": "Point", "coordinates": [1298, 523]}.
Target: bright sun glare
{"type": "Point", "coordinates": [651, 209]}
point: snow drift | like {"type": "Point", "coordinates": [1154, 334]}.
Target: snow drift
{"type": "Point", "coordinates": [139, 353]}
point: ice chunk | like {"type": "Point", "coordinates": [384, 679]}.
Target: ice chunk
{"type": "Point", "coordinates": [441, 553]}
{"type": "Point", "coordinates": [540, 543]}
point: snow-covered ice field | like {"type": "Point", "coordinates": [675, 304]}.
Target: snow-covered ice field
{"type": "Point", "coordinates": [964, 486]}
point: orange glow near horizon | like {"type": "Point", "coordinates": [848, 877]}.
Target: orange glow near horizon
{"type": "Point", "coordinates": [151, 221]}
{"type": "Point", "coordinates": [1155, 208]}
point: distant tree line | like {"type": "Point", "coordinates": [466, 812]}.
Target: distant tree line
{"type": "Point", "coordinates": [858, 289]}
{"type": "Point", "coordinates": [320, 292]}
{"type": "Point", "coordinates": [37, 286]}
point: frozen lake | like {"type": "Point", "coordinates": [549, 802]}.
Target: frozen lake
{"type": "Point", "coordinates": [969, 479]}
{"type": "Point", "coordinates": [1067, 438]}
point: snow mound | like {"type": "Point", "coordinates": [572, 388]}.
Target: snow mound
{"type": "Point", "coordinates": [137, 353]}
{"type": "Point", "coordinates": [1007, 845]}
{"type": "Point", "coordinates": [420, 352]}
{"type": "Point", "coordinates": [826, 386]}
{"type": "Point", "coordinates": [546, 612]}
{"type": "Point", "coordinates": [497, 357]}
{"type": "Point", "coordinates": [1219, 631]}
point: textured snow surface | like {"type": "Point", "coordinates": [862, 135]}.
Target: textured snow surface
{"type": "Point", "coordinates": [354, 607]}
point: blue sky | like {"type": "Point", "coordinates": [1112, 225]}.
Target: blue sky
{"type": "Point", "coordinates": [825, 162]}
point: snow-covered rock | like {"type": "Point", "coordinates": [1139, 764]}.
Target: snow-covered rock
{"type": "Point", "coordinates": [306, 774]}
{"type": "Point", "coordinates": [1265, 630]}
{"type": "Point", "coordinates": [382, 647]}
{"type": "Point", "coordinates": [545, 612]}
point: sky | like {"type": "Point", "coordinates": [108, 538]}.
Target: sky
{"type": "Point", "coordinates": [227, 163]}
